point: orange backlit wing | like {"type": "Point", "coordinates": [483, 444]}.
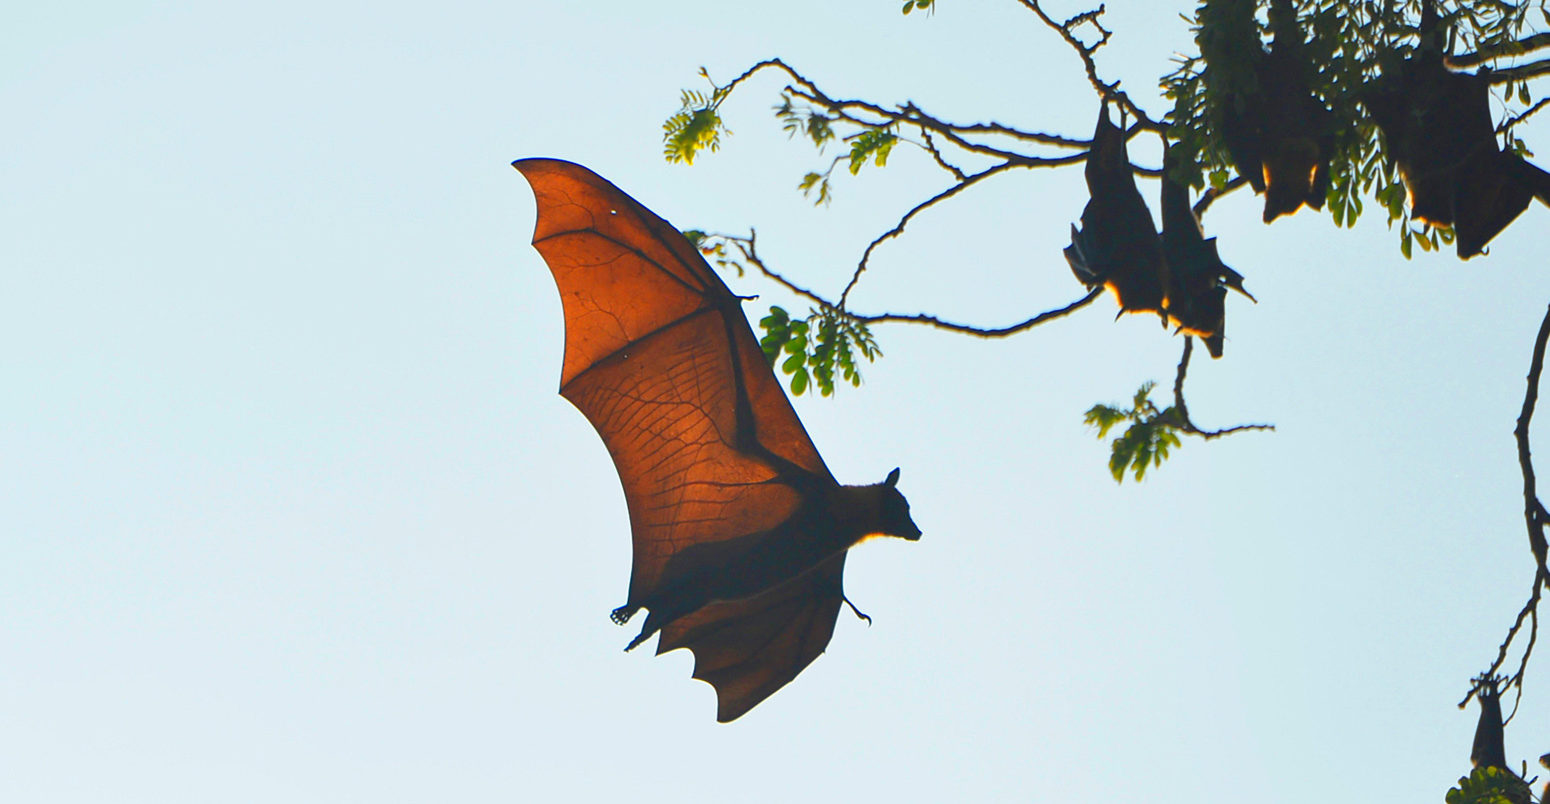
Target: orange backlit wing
{"type": "Point", "coordinates": [662, 362]}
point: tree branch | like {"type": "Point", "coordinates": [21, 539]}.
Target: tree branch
{"type": "Point", "coordinates": [748, 247]}
{"type": "Point", "coordinates": [1535, 518]}
{"type": "Point", "coordinates": [898, 228]}
{"type": "Point", "coordinates": [1516, 119]}
{"type": "Point", "coordinates": [1505, 50]}
{"type": "Point", "coordinates": [997, 332]}
{"type": "Point", "coordinates": [1182, 410]}
{"type": "Point", "coordinates": [1085, 53]}
{"type": "Point", "coordinates": [1522, 72]}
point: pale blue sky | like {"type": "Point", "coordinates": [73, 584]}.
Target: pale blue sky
{"type": "Point", "coordinates": [292, 511]}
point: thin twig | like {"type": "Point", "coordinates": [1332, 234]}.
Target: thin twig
{"type": "Point", "coordinates": [1185, 423]}
{"type": "Point", "coordinates": [748, 246]}
{"type": "Point", "coordinates": [1513, 121]}
{"type": "Point", "coordinates": [983, 332]}
{"type": "Point", "coordinates": [936, 153]}
{"type": "Point", "coordinates": [1085, 53]}
{"type": "Point", "coordinates": [1211, 194]}
{"type": "Point", "coordinates": [898, 228]}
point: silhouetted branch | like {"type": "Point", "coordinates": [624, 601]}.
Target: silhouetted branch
{"type": "Point", "coordinates": [1209, 197]}
{"type": "Point", "coordinates": [1085, 53]}
{"type": "Point", "coordinates": [898, 228]}
{"type": "Point", "coordinates": [748, 247]}
{"type": "Point", "coordinates": [1506, 50]}
{"type": "Point", "coordinates": [998, 332]}
{"type": "Point", "coordinates": [1535, 519]}
{"type": "Point", "coordinates": [1516, 119]}
{"type": "Point", "coordinates": [1182, 410]}
{"type": "Point", "coordinates": [936, 153]}
{"type": "Point", "coordinates": [1522, 72]}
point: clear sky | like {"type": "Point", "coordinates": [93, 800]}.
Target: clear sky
{"type": "Point", "coordinates": [292, 512]}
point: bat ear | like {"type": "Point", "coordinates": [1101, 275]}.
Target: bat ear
{"type": "Point", "coordinates": [893, 478]}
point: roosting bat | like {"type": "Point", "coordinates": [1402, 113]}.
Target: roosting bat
{"type": "Point", "coordinates": [1489, 749]}
{"type": "Point", "coordinates": [1118, 246]}
{"type": "Point", "coordinates": [1197, 298]}
{"type": "Point", "coordinates": [1280, 137]}
{"type": "Point", "coordinates": [1437, 126]}
{"type": "Point", "coordinates": [739, 530]}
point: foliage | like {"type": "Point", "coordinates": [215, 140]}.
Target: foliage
{"type": "Point", "coordinates": [1145, 443]}
{"type": "Point", "coordinates": [1490, 786]}
{"type": "Point", "coordinates": [817, 347]}
{"type": "Point", "coordinates": [696, 126]}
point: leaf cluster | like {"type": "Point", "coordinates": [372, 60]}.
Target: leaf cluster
{"type": "Point", "coordinates": [1146, 442]}
{"type": "Point", "coordinates": [1490, 785]}
{"type": "Point", "coordinates": [697, 125]}
{"type": "Point", "coordinates": [818, 348]}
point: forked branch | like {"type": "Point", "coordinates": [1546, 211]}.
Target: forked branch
{"type": "Point", "coordinates": [1181, 410]}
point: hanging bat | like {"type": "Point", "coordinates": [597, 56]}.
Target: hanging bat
{"type": "Point", "coordinates": [1280, 137]}
{"type": "Point", "coordinates": [1197, 297]}
{"type": "Point", "coordinates": [1438, 129]}
{"type": "Point", "coordinates": [1118, 246]}
{"type": "Point", "coordinates": [1489, 749]}
{"type": "Point", "coordinates": [739, 531]}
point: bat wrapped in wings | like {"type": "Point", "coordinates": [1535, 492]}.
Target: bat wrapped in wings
{"type": "Point", "coordinates": [739, 530]}
{"type": "Point", "coordinates": [1117, 245]}
{"type": "Point", "coordinates": [1197, 296]}
{"type": "Point", "coordinates": [1279, 135]}
{"type": "Point", "coordinates": [1437, 127]}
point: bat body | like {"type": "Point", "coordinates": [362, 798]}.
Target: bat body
{"type": "Point", "coordinates": [1118, 246]}
{"type": "Point", "coordinates": [1489, 749]}
{"type": "Point", "coordinates": [1197, 298]}
{"type": "Point", "coordinates": [739, 530]}
{"type": "Point", "coordinates": [1438, 128]}
{"type": "Point", "coordinates": [1280, 137]}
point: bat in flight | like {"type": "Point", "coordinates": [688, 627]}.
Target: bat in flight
{"type": "Point", "coordinates": [739, 530]}
{"type": "Point", "coordinates": [1439, 132]}
{"type": "Point", "coordinates": [1197, 298]}
{"type": "Point", "coordinates": [1280, 137]}
{"type": "Point", "coordinates": [1118, 246]}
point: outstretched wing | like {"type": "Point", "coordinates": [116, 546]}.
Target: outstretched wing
{"type": "Point", "coordinates": [660, 358]}
{"type": "Point", "coordinates": [748, 649]}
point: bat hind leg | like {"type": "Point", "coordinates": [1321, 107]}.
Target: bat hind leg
{"type": "Point", "coordinates": [622, 615]}
{"type": "Point", "coordinates": [854, 609]}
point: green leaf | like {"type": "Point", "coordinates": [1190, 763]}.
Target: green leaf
{"type": "Point", "coordinates": [874, 143]}
{"type": "Point", "coordinates": [798, 382]}
{"type": "Point", "coordinates": [794, 362]}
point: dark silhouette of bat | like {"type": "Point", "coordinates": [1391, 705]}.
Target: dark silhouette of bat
{"type": "Point", "coordinates": [739, 531]}
{"type": "Point", "coordinates": [1438, 128]}
{"type": "Point", "coordinates": [1489, 749]}
{"type": "Point", "coordinates": [1118, 246]}
{"type": "Point", "coordinates": [1280, 137]}
{"type": "Point", "coordinates": [1197, 298]}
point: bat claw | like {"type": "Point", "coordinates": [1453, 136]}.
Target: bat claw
{"type": "Point", "coordinates": [856, 610]}
{"type": "Point", "coordinates": [622, 615]}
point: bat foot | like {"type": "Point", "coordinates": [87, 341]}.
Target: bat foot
{"type": "Point", "coordinates": [854, 609]}
{"type": "Point", "coordinates": [622, 615]}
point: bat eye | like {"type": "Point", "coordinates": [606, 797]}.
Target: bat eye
{"type": "Point", "coordinates": [613, 212]}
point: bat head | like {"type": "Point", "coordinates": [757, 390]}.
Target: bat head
{"type": "Point", "coordinates": [895, 510]}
